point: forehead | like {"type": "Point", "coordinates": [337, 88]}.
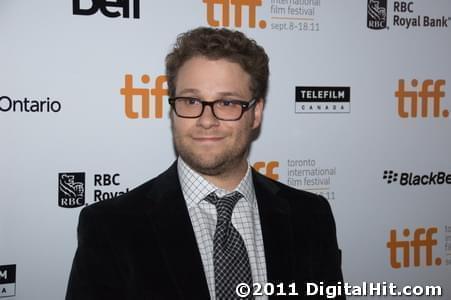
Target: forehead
{"type": "Point", "coordinates": [206, 77]}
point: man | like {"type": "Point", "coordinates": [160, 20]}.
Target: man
{"type": "Point", "coordinates": [210, 222]}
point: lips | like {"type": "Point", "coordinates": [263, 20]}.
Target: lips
{"type": "Point", "coordinates": [208, 138]}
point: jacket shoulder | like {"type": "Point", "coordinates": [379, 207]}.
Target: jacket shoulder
{"type": "Point", "coordinates": [296, 198]}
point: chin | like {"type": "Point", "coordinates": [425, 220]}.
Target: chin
{"type": "Point", "coordinates": [209, 167]}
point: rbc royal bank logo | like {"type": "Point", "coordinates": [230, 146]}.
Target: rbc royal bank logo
{"type": "Point", "coordinates": [377, 14]}
{"type": "Point", "coordinates": [71, 189]}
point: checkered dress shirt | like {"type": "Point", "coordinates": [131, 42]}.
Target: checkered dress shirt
{"type": "Point", "coordinates": [203, 214]}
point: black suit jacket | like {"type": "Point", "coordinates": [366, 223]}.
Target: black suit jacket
{"type": "Point", "coordinates": [142, 246]}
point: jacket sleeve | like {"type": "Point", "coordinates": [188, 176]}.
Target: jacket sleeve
{"type": "Point", "coordinates": [94, 274]}
{"type": "Point", "coordinates": [331, 264]}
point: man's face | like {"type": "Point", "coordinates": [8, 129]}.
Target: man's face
{"type": "Point", "coordinates": [208, 145]}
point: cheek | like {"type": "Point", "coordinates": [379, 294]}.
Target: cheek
{"type": "Point", "coordinates": [243, 131]}
{"type": "Point", "coordinates": [180, 126]}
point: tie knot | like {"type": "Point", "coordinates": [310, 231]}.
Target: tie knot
{"type": "Point", "coordinates": [224, 205]}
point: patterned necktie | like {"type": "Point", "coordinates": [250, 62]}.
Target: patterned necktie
{"type": "Point", "coordinates": [231, 261]}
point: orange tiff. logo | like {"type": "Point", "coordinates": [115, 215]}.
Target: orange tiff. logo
{"type": "Point", "coordinates": [422, 241]}
{"type": "Point", "coordinates": [224, 7]}
{"type": "Point", "coordinates": [144, 111]}
{"type": "Point", "coordinates": [267, 168]}
{"type": "Point", "coordinates": [409, 100]}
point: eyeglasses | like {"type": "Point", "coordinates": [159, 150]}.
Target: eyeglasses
{"type": "Point", "coordinates": [225, 110]}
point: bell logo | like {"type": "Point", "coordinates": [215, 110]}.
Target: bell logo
{"type": "Point", "coordinates": [410, 108]}
{"type": "Point", "coordinates": [144, 110]}
{"type": "Point", "coordinates": [225, 9]}
{"type": "Point", "coordinates": [103, 5]}
{"type": "Point", "coordinates": [268, 168]}
{"type": "Point", "coordinates": [422, 239]}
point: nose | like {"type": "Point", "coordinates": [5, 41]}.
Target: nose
{"type": "Point", "coordinates": [207, 119]}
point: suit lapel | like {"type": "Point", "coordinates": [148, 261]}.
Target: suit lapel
{"type": "Point", "coordinates": [276, 229]}
{"type": "Point", "coordinates": [172, 226]}
{"type": "Point", "coordinates": [174, 231]}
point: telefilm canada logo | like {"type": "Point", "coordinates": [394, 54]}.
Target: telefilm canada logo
{"type": "Point", "coordinates": [110, 9]}
{"type": "Point", "coordinates": [323, 99]}
{"type": "Point", "coordinates": [7, 281]}
{"type": "Point", "coordinates": [413, 179]}
{"type": "Point", "coordinates": [71, 189]}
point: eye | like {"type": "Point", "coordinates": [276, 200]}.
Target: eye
{"type": "Point", "coordinates": [226, 103]}
{"type": "Point", "coordinates": [190, 101]}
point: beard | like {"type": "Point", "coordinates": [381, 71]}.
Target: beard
{"type": "Point", "coordinates": [213, 163]}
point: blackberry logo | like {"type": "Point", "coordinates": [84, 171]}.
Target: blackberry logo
{"type": "Point", "coordinates": [71, 189]}
{"type": "Point", "coordinates": [410, 178]}
{"type": "Point", "coordinates": [377, 14]}
{"type": "Point", "coordinates": [390, 176]}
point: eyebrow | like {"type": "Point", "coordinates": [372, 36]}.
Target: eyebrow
{"type": "Point", "coordinates": [220, 94]}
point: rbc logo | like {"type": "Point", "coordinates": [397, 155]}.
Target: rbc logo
{"type": "Point", "coordinates": [377, 14]}
{"type": "Point", "coordinates": [95, 5]}
{"type": "Point", "coordinates": [267, 168]}
{"type": "Point", "coordinates": [71, 189]}
{"type": "Point", "coordinates": [399, 6]}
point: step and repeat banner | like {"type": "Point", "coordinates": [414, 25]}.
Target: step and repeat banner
{"type": "Point", "coordinates": [357, 111]}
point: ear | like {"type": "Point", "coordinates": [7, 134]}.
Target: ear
{"type": "Point", "coordinates": [258, 113]}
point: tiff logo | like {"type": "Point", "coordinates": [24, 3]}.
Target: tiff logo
{"type": "Point", "coordinates": [144, 111]}
{"type": "Point", "coordinates": [103, 5]}
{"type": "Point", "coordinates": [267, 168]}
{"type": "Point", "coordinates": [422, 240]}
{"type": "Point", "coordinates": [224, 8]}
{"type": "Point", "coordinates": [408, 100]}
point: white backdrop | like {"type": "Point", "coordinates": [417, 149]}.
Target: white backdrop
{"type": "Point", "coordinates": [75, 66]}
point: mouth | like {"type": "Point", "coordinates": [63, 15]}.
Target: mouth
{"type": "Point", "coordinates": [207, 139]}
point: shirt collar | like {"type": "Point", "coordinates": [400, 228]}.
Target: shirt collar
{"type": "Point", "coordinates": [195, 187]}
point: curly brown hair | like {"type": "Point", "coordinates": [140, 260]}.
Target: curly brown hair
{"type": "Point", "coordinates": [214, 43]}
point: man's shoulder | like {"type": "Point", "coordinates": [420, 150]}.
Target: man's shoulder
{"type": "Point", "coordinates": [296, 197]}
